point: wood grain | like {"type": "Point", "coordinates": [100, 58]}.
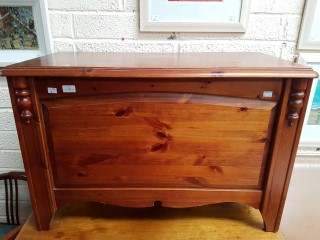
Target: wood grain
{"type": "Point", "coordinates": [159, 140]}
{"type": "Point", "coordinates": [181, 129]}
{"type": "Point", "coordinates": [174, 65]}
{"type": "Point", "coordinates": [233, 87]}
{"type": "Point", "coordinates": [33, 160]}
{"type": "Point", "coordinates": [284, 152]}
{"type": "Point", "coordinates": [148, 197]}
{"type": "Point", "coordinates": [96, 221]}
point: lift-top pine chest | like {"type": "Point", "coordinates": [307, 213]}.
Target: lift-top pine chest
{"type": "Point", "coordinates": [182, 129]}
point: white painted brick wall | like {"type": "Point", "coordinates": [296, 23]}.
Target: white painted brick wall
{"type": "Point", "coordinates": [62, 26]}
{"type": "Point", "coordinates": [10, 155]}
{"type": "Point", "coordinates": [113, 26]}
{"type": "Point", "coordinates": [93, 25]}
{"type": "Point", "coordinates": [86, 5]}
{"type": "Point", "coordinates": [277, 6]}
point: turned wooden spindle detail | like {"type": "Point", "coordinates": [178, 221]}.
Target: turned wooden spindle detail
{"type": "Point", "coordinates": [296, 97]}
{"type": "Point", "coordinates": [24, 103]}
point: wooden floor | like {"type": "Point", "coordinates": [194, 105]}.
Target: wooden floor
{"type": "Point", "coordinates": [98, 221]}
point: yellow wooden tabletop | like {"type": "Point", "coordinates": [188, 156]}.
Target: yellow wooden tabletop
{"type": "Point", "coordinates": [99, 221]}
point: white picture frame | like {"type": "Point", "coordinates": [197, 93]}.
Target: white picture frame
{"type": "Point", "coordinates": [310, 26]}
{"type": "Point", "coordinates": [146, 25]}
{"type": "Point", "coordinates": [41, 24]}
{"type": "Point", "coordinates": [310, 134]}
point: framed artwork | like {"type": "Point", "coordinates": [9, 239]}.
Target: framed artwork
{"type": "Point", "coordinates": [311, 127]}
{"type": "Point", "coordinates": [24, 30]}
{"type": "Point", "coordinates": [310, 30]}
{"type": "Point", "coordinates": [194, 15]}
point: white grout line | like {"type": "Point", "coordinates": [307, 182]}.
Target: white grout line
{"type": "Point", "coordinates": [307, 165]}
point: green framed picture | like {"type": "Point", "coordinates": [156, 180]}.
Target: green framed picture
{"type": "Point", "coordinates": [24, 30]}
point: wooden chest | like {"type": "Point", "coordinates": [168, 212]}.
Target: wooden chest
{"type": "Point", "coordinates": [179, 130]}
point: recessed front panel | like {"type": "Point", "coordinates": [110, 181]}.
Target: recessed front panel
{"type": "Point", "coordinates": [158, 140]}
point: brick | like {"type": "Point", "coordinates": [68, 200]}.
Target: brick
{"type": "Point", "coordinates": [131, 5]}
{"type": "Point", "coordinates": [5, 101]}
{"type": "Point", "coordinates": [137, 46]}
{"type": "Point", "coordinates": [3, 82]}
{"type": "Point", "coordinates": [291, 28]}
{"type": "Point", "coordinates": [160, 36]}
{"type": "Point", "coordinates": [285, 50]}
{"type": "Point", "coordinates": [9, 141]}
{"type": "Point", "coordinates": [265, 27]}
{"type": "Point", "coordinates": [7, 120]}
{"type": "Point", "coordinates": [61, 24]}
{"type": "Point", "coordinates": [63, 46]}
{"type": "Point", "coordinates": [105, 26]}
{"type": "Point", "coordinates": [85, 5]}
{"type": "Point", "coordinates": [278, 6]}
{"type": "Point", "coordinates": [267, 47]}
{"type": "Point", "coordinates": [272, 27]}
{"type": "Point", "coordinates": [209, 36]}
{"type": "Point", "coordinates": [288, 51]}
{"type": "Point", "coordinates": [11, 159]}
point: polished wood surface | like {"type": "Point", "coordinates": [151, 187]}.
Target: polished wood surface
{"type": "Point", "coordinates": [96, 221]}
{"type": "Point", "coordinates": [138, 129]}
{"type": "Point", "coordinates": [159, 140]}
{"type": "Point", "coordinates": [169, 197]}
{"type": "Point", "coordinates": [244, 87]}
{"type": "Point", "coordinates": [182, 65]}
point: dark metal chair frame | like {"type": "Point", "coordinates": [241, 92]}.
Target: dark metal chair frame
{"type": "Point", "coordinates": [12, 213]}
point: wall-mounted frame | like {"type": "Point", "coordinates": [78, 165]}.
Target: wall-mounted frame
{"type": "Point", "coordinates": [194, 15]}
{"type": "Point", "coordinates": [24, 30]}
{"type": "Point", "coordinates": [311, 127]}
{"type": "Point", "coordinates": [310, 30]}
